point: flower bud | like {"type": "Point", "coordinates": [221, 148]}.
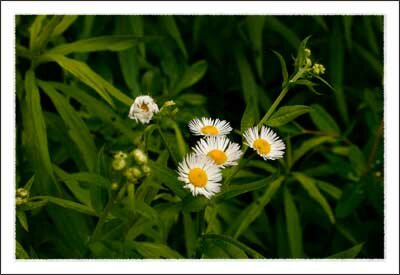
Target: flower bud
{"type": "Point", "coordinates": [22, 192]}
{"type": "Point", "coordinates": [146, 169]}
{"type": "Point", "coordinates": [307, 52]}
{"type": "Point", "coordinates": [308, 62]}
{"type": "Point", "coordinates": [118, 164]}
{"type": "Point", "coordinates": [318, 68]}
{"type": "Point", "coordinates": [133, 173]}
{"type": "Point", "coordinates": [139, 156]}
{"type": "Point", "coordinates": [114, 186]}
{"type": "Point", "coordinates": [19, 201]}
{"type": "Point", "coordinates": [120, 155]}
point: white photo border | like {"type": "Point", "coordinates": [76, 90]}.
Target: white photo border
{"type": "Point", "coordinates": [390, 10]}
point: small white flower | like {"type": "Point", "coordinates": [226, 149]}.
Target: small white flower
{"type": "Point", "coordinates": [209, 127]}
{"type": "Point", "coordinates": [220, 149]}
{"type": "Point", "coordinates": [200, 174]}
{"type": "Point", "coordinates": [266, 142]}
{"type": "Point", "coordinates": [143, 109]}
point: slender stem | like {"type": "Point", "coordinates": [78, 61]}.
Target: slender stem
{"type": "Point", "coordinates": [166, 144]}
{"type": "Point", "coordinates": [274, 106]}
{"type": "Point", "coordinates": [114, 199]}
{"type": "Point", "coordinates": [242, 163]}
{"type": "Point", "coordinates": [374, 148]}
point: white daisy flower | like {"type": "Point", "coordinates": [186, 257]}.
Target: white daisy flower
{"type": "Point", "coordinates": [143, 109]}
{"type": "Point", "coordinates": [209, 127]}
{"type": "Point", "coordinates": [220, 149]}
{"type": "Point", "coordinates": [200, 174]}
{"type": "Point", "coordinates": [266, 142]}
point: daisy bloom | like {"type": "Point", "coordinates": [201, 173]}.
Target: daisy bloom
{"type": "Point", "coordinates": [200, 175]}
{"type": "Point", "coordinates": [266, 142]}
{"type": "Point", "coordinates": [220, 149]}
{"type": "Point", "coordinates": [143, 109]}
{"type": "Point", "coordinates": [209, 127]}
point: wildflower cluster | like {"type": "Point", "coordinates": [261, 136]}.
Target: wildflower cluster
{"type": "Point", "coordinates": [201, 169]}
{"type": "Point", "coordinates": [22, 196]}
{"type": "Point", "coordinates": [315, 68]}
{"type": "Point", "coordinates": [132, 166]}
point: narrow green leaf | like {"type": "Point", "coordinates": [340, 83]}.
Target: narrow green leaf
{"type": "Point", "coordinates": [286, 114]}
{"type": "Point", "coordinates": [323, 120]}
{"type": "Point", "coordinates": [249, 251]}
{"type": "Point", "coordinates": [280, 28]}
{"type": "Point", "coordinates": [251, 212]}
{"type": "Point", "coordinates": [249, 117]}
{"type": "Point", "coordinates": [330, 189]}
{"type": "Point", "coordinates": [357, 159]}
{"type": "Point", "coordinates": [350, 253]}
{"type": "Point", "coordinates": [308, 145]}
{"type": "Point", "coordinates": [65, 23]}
{"type": "Point", "coordinates": [169, 24]}
{"type": "Point", "coordinates": [68, 204]}
{"type": "Point", "coordinates": [191, 75]}
{"type": "Point", "coordinates": [31, 205]}
{"type": "Point", "coordinates": [169, 178]}
{"type": "Point", "coordinates": [294, 229]}
{"type": "Point", "coordinates": [22, 219]}
{"type": "Point", "coordinates": [102, 43]}
{"type": "Point", "coordinates": [309, 185]}
{"type": "Point", "coordinates": [255, 26]}
{"type": "Point", "coordinates": [77, 128]}
{"type": "Point", "coordinates": [154, 250]}
{"type": "Point", "coordinates": [321, 21]}
{"type": "Point", "coordinates": [347, 22]}
{"type": "Point", "coordinates": [301, 55]}
{"type": "Point", "coordinates": [85, 74]}
{"type": "Point", "coordinates": [353, 195]}
{"type": "Point", "coordinates": [190, 234]}
{"type": "Point", "coordinates": [91, 178]}
{"type": "Point", "coordinates": [285, 75]}
{"type": "Point", "coordinates": [20, 252]}
{"type": "Point", "coordinates": [35, 29]}
{"type": "Point", "coordinates": [47, 31]}
{"type": "Point", "coordinates": [237, 189]}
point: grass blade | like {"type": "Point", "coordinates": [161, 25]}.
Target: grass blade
{"type": "Point", "coordinates": [293, 225]}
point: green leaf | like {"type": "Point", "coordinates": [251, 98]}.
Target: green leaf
{"type": "Point", "coordinates": [169, 178]}
{"type": "Point", "coordinates": [237, 189]}
{"type": "Point", "coordinates": [286, 114]}
{"type": "Point", "coordinates": [308, 145]}
{"type": "Point", "coordinates": [22, 219]}
{"type": "Point", "coordinates": [96, 108]}
{"type": "Point", "coordinates": [276, 25]}
{"type": "Point", "coordinates": [191, 75]}
{"type": "Point", "coordinates": [85, 74]}
{"type": "Point", "coordinates": [249, 117]}
{"type": "Point", "coordinates": [20, 252]}
{"type": "Point", "coordinates": [294, 229]}
{"type": "Point", "coordinates": [357, 159]}
{"type": "Point", "coordinates": [47, 31]}
{"type": "Point", "coordinates": [154, 250]}
{"type": "Point", "coordinates": [353, 195]}
{"type": "Point", "coordinates": [350, 253]}
{"type": "Point", "coordinates": [65, 23]}
{"type": "Point", "coordinates": [81, 194]}
{"type": "Point", "coordinates": [330, 189]}
{"type": "Point", "coordinates": [37, 136]}
{"type": "Point", "coordinates": [255, 26]}
{"type": "Point", "coordinates": [91, 178]}
{"type": "Point", "coordinates": [31, 205]}
{"type": "Point", "coordinates": [190, 234]}
{"type": "Point", "coordinates": [323, 120]}
{"type": "Point", "coordinates": [249, 251]}
{"type": "Point", "coordinates": [251, 212]}
{"type": "Point", "coordinates": [78, 130]}
{"type": "Point", "coordinates": [311, 188]}
{"type": "Point", "coordinates": [68, 204]}
{"type": "Point", "coordinates": [35, 29]}
{"type": "Point", "coordinates": [168, 22]}
{"type": "Point", "coordinates": [102, 43]}
{"type": "Point", "coordinates": [285, 75]}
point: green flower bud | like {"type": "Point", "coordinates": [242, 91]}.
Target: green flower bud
{"type": "Point", "coordinates": [318, 68]}
{"type": "Point", "coordinates": [120, 155]}
{"type": "Point", "coordinates": [118, 164]}
{"type": "Point", "coordinates": [308, 62]}
{"type": "Point", "coordinates": [22, 192]}
{"type": "Point", "coordinates": [19, 201]}
{"type": "Point", "coordinates": [114, 186]}
{"type": "Point", "coordinates": [307, 52]}
{"type": "Point", "coordinates": [139, 156]}
{"type": "Point", "coordinates": [146, 169]}
{"type": "Point", "coordinates": [133, 173]}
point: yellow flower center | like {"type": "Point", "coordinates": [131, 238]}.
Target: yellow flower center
{"type": "Point", "coordinates": [218, 156]}
{"type": "Point", "coordinates": [144, 107]}
{"type": "Point", "coordinates": [262, 146]}
{"type": "Point", "coordinates": [209, 130]}
{"type": "Point", "coordinates": [198, 177]}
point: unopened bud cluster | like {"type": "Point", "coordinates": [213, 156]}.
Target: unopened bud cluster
{"type": "Point", "coordinates": [168, 109]}
{"type": "Point", "coordinates": [315, 68]}
{"type": "Point", "coordinates": [133, 166]}
{"type": "Point", "coordinates": [22, 196]}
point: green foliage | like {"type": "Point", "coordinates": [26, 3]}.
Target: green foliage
{"type": "Point", "coordinates": [83, 193]}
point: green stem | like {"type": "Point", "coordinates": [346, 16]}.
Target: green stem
{"type": "Point", "coordinates": [106, 211]}
{"type": "Point", "coordinates": [274, 106]}
{"type": "Point", "coordinates": [167, 145]}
